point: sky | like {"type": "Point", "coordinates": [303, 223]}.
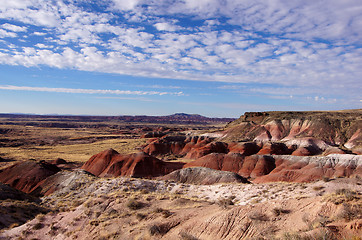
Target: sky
{"type": "Point", "coordinates": [217, 58]}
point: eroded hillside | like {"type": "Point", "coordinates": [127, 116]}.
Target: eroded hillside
{"type": "Point", "coordinates": [341, 128]}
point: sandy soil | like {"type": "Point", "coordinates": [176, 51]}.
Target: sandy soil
{"type": "Point", "coordinates": [125, 208]}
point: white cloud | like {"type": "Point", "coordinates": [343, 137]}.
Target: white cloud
{"type": "Point", "coordinates": [4, 33]}
{"type": "Point", "coordinates": [163, 26]}
{"type": "Point", "coordinates": [86, 91]}
{"type": "Point", "coordinates": [13, 28]}
{"type": "Point", "coordinates": [39, 33]}
{"type": "Point", "coordinates": [40, 45]}
{"type": "Point", "coordinates": [274, 42]}
{"type": "Point", "coordinates": [126, 4]}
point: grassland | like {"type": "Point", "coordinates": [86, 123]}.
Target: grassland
{"type": "Point", "coordinates": [73, 152]}
{"type": "Point", "coordinates": [40, 138]}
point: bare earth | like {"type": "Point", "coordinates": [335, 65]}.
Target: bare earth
{"type": "Point", "coordinates": [108, 209]}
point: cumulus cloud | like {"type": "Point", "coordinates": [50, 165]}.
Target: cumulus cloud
{"type": "Point", "coordinates": [13, 28]}
{"type": "Point", "coordinates": [303, 45]}
{"type": "Point", "coordinates": [164, 26]}
{"type": "Point", "coordinates": [4, 33]}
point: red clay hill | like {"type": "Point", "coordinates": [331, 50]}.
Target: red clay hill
{"type": "Point", "coordinates": [25, 176]}
{"type": "Point", "coordinates": [110, 163]}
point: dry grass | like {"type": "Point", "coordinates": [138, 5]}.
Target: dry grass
{"type": "Point", "coordinates": [72, 153]}
{"type": "Point", "coordinates": [342, 196]}
{"type": "Point", "coordinates": [71, 144]}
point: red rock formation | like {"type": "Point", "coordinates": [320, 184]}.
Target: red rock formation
{"type": "Point", "coordinates": [250, 166]}
{"type": "Point", "coordinates": [110, 163]}
{"type": "Point", "coordinates": [213, 147]}
{"type": "Point", "coordinates": [333, 150]}
{"type": "Point", "coordinates": [25, 176]}
{"type": "Point", "coordinates": [274, 149]}
{"type": "Point", "coordinates": [267, 168]}
{"type": "Point", "coordinates": [333, 128]}
{"type": "Point", "coordinates": [153, 134]}
{"type": "Point", "coordinates": [178, 145]}
{"type": "Point", "coordinates": [245, 148]}
{"type": "Point", "coordinates": [162, 147]}
{"type": "Point", "coordinates": [58, 161]}
{"type": "Point", "coordinates": [306, 151]}
{"type": "Point", "coordinates": [64, 165]}
{"type": "Point", "coordinates": [355, 140]}
{"type": "Point", "coordinates": [306, 169]}
{"type": "Point", "coordinates": [212, 160]}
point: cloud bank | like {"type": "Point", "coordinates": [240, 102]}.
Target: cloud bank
{"type": "Point", "coordinates": [313, 46]}
{"type": "Point", "coordinates": [86, 91]}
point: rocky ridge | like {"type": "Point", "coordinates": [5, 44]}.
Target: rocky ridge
{"type": "Point", "coordinates": [336, 128]}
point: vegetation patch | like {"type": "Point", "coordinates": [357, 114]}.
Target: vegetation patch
{"type": "Point", "coordinates": [133, 204]}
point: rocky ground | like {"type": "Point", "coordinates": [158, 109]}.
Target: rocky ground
{"type": "Point", "coordinates": [87, 207]}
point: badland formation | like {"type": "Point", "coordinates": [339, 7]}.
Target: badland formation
{"type": "Point", "coordinates": [265, 175]}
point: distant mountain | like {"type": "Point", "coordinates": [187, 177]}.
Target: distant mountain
{"type": "Point", "coordinates": [181, 118]}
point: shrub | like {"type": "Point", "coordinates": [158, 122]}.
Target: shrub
{"type": "Point", "coordinates": [134, 205]}
{"type": "Point", "coordinates": [258, 216]}
{"type": "Point", "coordinates": [279, 211]}
{"type": "Point", "coordinates": [154, 229]}
{"type": "Point", "coordinates": [94, 222]}
{"type": "Point", "coordinates": [317, 188]}
{"type": "Point", "coordinates": [165, 213]}
{"type": "Point", "coordinates": [347, 193]}
{"type": "Point", "coordinates": [322, 235]}
{"type": "Point", "coordinates": [225, 202]}
{"type": "Point", "coordinates": [326, 179]}
{"type": "Point", "coordinates": [140, 216]}
{"type": "Point", "coordinates": [38, 226]}
{"type": "Point", "coordinates": [187, 236]}
{"type": "Point", "coordinates": [342, 195]}
{"type": "Point", "coordinates": [351, 211]}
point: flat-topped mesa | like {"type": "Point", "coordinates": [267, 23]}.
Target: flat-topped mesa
{"type": "Point", "coordinates": [336, 128]}
{"type": "Point", "coordinates": [256, 117]}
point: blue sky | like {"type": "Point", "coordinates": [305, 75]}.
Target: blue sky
{"type": "Point", "coordinates": [217, 58]}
